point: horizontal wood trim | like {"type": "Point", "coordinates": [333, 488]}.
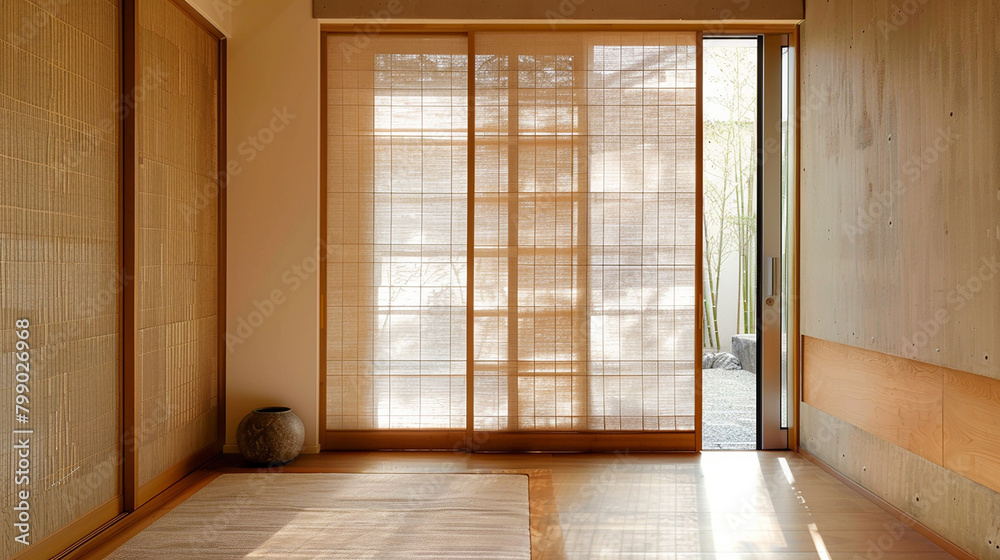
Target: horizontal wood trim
{"type": "Point", "coordinates": [931, 535]}
{"type": "Point", "coordinates": [715, 10]}
{"type": "Point", "coordinates": [455, 440]}
{"type": "Point", "coordinates": [947, 416]}
{"type": "Point", "coordinates": [394, 440]}
{"type": "Point", "coordinates": [972, 427]}
{"type": "Point", "coordinates": [710, 28]}
{"type": "Point", "coordinates": [174, 474]}
{"type": "Point", "coordinates": [53, 545]}
{"type": "Point", "coordinates": [896, 399]}
{"type": "Point", "coordinates": [598, 442]}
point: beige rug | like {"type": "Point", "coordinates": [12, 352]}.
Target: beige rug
{"type": "Point", "coordinates": [353, 516]}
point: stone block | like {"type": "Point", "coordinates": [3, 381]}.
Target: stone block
{"type": "Point", "coordinates": [745, 348]}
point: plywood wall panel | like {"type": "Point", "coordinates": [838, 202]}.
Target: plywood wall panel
{"type": "Point", "coordinates": [895, 399]}
{"type": "Point", "coordinates": [972, 427]}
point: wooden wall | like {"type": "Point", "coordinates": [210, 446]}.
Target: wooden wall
{"type": "Point", "coordinates": [901, 253]}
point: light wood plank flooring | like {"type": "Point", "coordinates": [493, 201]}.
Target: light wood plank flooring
{"type": "Point", "coordinates": [717, 505]}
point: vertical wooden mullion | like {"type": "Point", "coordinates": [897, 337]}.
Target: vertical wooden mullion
{"type": "Point", "coordinates": [513, 129]}
{"type": "Point", "coordinates": [130, 168]}
{"type": "Point", "coordinates": [223, 179]}
{"type": "Point", "coordinates": [699, 236]}
{"type": "Point", "coordinates": [323, 239]}
{"type": "Point", "coordinates": [470, 244]}
{"type": "Point", "coordinates": [581, 269]}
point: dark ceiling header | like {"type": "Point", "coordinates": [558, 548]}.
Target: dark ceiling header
{"type": "Point", "coordinates": [777, 11]}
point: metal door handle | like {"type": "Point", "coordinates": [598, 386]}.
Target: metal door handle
{"type": "Point", "coordinates": [772, 276]}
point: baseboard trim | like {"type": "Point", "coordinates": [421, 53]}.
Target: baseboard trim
{"type": "Point", "coordinates": [933, 536]}
{"type": "Point", "coordinates": [306, 450]}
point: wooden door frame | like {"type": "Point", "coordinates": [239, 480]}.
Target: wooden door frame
{"type": "Point", "coordinates": [465, 439]}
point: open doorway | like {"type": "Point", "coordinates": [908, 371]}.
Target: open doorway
{"type": "Point", "coordinates": [748, 234]}
{"type": "Point", "coordinates": [729, 362]}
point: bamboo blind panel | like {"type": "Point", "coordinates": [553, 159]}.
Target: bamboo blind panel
{"type": "Point", "coordinates": [59, 239]}
{"type": "Point", "coordinates": [396, 194]}
{"type": "Point", "coordinates": [585, 231]}
{"type": "Point", "coordinates": [177, 244]}
{"type": "Point", "coordinates": [583, 301]}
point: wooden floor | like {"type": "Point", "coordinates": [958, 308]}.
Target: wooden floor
{"type": "Point", "coordinates": [717, 505]}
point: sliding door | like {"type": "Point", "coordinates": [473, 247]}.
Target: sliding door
{"type": "Point", "coordinates": [584, 235]}
{"type": "Point", "coordinates": [177, 257]}
{"type": "Point", "coordinates": [575, 326]}
{"type": "Point", "coordinates": [396, 232]}
{"type": "Point", "coordinates": [110, 220]}
{"type": "Point", "coordinates": [59, 237]}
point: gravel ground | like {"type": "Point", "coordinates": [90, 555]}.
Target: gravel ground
{"type": "Point", "coordinates": [729, 409]}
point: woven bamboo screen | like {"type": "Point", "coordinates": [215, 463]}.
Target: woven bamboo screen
{"type": "Point", "coordinates": [396, 198]}
{"type": "Point", "coordinates": [583, 303]}
{"type": "Point", "coordinates": [585, 231]}
{"type": "Point", "coordinates": [177, 244]}
{"type": "Point", "coordinates": [59, 238]}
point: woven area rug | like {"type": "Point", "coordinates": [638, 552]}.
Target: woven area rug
{"type": "Point", "coordinates": [339, 515]}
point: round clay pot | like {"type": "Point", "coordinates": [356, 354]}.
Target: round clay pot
{"type": "Point", "coordinates": [270, 436]}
